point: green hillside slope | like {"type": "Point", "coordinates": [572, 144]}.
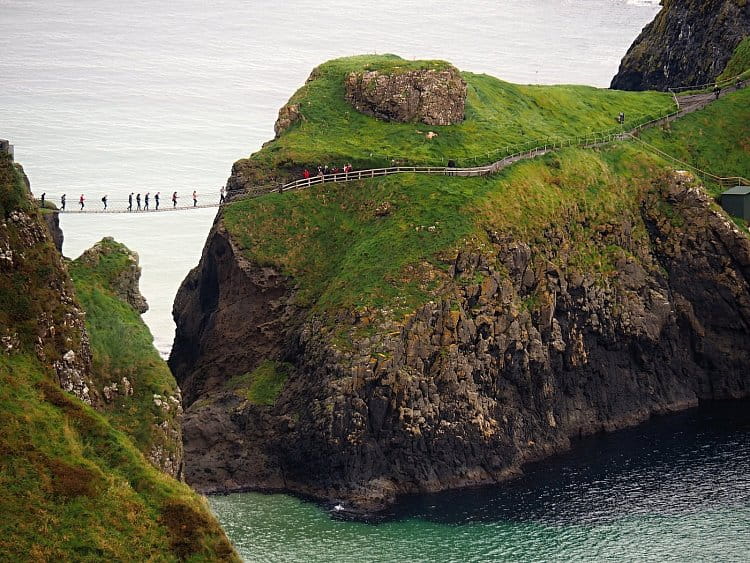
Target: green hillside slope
{"type": "Point", "coordinates": [715, 139]}
{"type": "Point", "coordinates": [389, 242]}
{"type": "Point", "coordinates": [498, 115]}
{"type": "Point", "coordinates": [72, 486]}
{"type": "Point", "coordinates": [143, 399]}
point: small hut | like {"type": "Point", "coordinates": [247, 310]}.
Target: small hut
{"type": "Point", "coordinates": [736, 201]}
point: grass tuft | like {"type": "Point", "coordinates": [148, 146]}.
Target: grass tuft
{"type": "Point", "coordinates": [264, 385]}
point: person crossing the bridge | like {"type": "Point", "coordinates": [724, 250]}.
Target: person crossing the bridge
{"type": "Point", "coordinates": [174, 200]}
{"type": "Point", "coordinates": [156, 200]}
{"type": "Point", "coordinates": [130, 202]}
{"type": "Point", "coordinates": [222, 195]}
{"type": "Point", "coordinates": [138, 201]}
{"type": "Point", "coordinates": [62, 202]}
{"type": "Point", "coordinates": [145, 201]}
{"type": "Point", "coordinates": [195, 198]}
{"type": "Point", "coordinates": [81, 200]}
{"type": "Point", "coordinates": [104, 201]}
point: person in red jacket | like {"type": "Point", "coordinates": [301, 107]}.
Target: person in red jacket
{"type": "Point", "coordinates": [81, 200]}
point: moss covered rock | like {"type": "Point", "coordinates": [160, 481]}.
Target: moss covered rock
{"type": "Point", "coordinates": [433, 97]}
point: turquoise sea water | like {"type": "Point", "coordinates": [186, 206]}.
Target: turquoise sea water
{"type": "Point", "coordinates": [674, 489]}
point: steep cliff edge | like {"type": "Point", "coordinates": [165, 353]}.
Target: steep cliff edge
{"type": "Point", "coordinates": [75, 487]}
{"type": "Point", "coordinates": [139, 394]}
{"type": "Point", "coordinates": [689, 43]}
{"type": "Point", "coordinates": [357, 341]}
{"type": "Point", "coordinates": [525, 351]}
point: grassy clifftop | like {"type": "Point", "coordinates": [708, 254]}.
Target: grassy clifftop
{"type": "Point", "coordinates": [498, 114]}
{"type": "Point", "coordinates": [389, 243]}
{"type": "Point", "coordinates": [73, 487]}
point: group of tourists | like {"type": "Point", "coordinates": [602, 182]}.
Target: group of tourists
{"type": "Point", "coordinates": [145, 200]}
{"type": "Point", "coordinates": [326, 170]}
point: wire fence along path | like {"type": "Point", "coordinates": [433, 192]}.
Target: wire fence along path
{"type": "Point", "coordinates": [687, 103]}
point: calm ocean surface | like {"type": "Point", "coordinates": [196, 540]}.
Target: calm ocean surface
{"type": "Point", "coordinates": [112, 97]}
{"type": "Point", "coordinates": [674, 489]}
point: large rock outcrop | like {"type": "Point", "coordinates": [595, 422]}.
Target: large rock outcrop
{"type": "Point", "coordinates": [527, 352]}
{"type": "Point", "coordinates": [434, 97]}
{"type": "Point", "coordinates": [123, 279]}
{"type": "Point", "coordinates": [688, 43]}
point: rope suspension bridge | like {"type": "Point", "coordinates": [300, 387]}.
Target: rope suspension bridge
{"type": "Point", "coordinates": [686, 103]}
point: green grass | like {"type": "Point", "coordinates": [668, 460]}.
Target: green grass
{"type": "Point", "coordinates": [715, 139]}
{"type": "Point", "coordinates": [343, 255]}
{"type": "Point", "coordinates": [13, 192]}
{"type": "Point", "coordinates": [740, 61]}
{"type": "Point", "coordinates": [498, 115]}
{"type": "Point", "coordinates": [264, 385]}
{"type": "Point", "coordinates": [72, 486]}
{"type": "Point", "coordinates": [122, 346]}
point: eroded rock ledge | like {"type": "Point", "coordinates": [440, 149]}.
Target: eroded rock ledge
{"type": "Point", "coordinates": [527, 352]}
{"type": "Point", "coordinates": [434, 97]}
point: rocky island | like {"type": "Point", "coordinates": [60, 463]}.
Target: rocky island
{"type": "Point", "coordinates": [357, 341]}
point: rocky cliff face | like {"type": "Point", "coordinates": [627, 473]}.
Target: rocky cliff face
{"type": "Point", "coordinates": [434, 97]}
{"type": "Point", "coordinates": [528, 351]}
{"type": "Point", "coordinates": [42, 310]}
{"type": "Point", "coordinates": [229, 314]}
{"type": "Point", "coordinates": [53, 224]}
{"type": "Point", "coordinates": [688, 43]}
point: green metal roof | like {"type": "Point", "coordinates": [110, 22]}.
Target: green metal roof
{"type": "Point", "coordinates": [738, 190]}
